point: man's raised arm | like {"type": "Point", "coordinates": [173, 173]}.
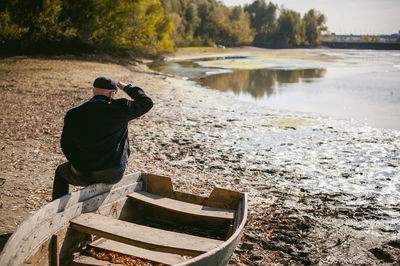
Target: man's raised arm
{"type": "Point", "coordinates": [141, 104]}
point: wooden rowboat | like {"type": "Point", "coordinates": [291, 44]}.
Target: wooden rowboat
{"type": "Point", "coordinates": [141, 216]}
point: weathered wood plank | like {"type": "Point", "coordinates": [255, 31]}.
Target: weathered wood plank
{"type": "Point", "coordinates": [223, 198]}
{"type": "Point", "coordinates": [83, 260]}
{"type": "Point", "coordinates": [190, 198]}
{"type": "Point", "coordinates": [156, 256]}
{"type": "Point", "coordinates": [53, 222]}
{"type": "Point", "coordinates": [221, 254]}
{"type": "Point", "coordinates": [182, 207]}
{"type": "Point", "coordinates": [143, 236]}
{"type": "Point", "coordinates": [159, 185]}
{"type": "Point", "coordinates": [31, 234]}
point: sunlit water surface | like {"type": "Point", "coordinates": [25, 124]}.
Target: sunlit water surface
{"type": "Point", "coordinates": [362, 85]}
{"type": "Point", "coordinates": [361, 165]}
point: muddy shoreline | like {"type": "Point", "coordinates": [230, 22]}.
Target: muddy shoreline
{"type": "Point", "coordinates": [202, 139]}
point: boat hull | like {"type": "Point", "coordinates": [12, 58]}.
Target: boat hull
{"type": "Point", "coordinates": [48, 231]}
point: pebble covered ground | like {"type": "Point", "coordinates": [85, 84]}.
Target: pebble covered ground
{"type": "Point", "coordinates": [321, 191]}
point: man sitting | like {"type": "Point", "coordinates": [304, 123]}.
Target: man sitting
{"type": "Point", "coordinates": [95, 136]}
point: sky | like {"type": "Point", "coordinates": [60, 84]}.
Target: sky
{"type": "Point", "coordinates": [347, 16]}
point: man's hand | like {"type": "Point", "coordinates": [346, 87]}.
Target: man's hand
{"type": "Point", "coordinates": [121, 85]}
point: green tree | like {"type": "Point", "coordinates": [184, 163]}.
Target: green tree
{"type": "Point", "coordinates": [184, 18]}
{"type": "Point", "coordinates": [221, 25]}
{"type": "Point", "coordinates": [140, 25]}
{"type": "Point", "coordinates": [208, 28]}
{"type": "Point", "coordinates": [240, 31]}
{"type": "Point", "coordinates": [375, 38]}
{"type": "Point", "coordinates": [366, 38]}
{"type": "Point", "coordinates": [9, 31]}
{"type": "Point", "coordinates": [44, 23]}
{"type": "Point", "coordinates": [314, 24]}
{"type": "Point", "coordinates": [263, 20]}
{"type": "Point", "coordinates": [208, 22]}
{"type": "Point", "coordinates": [290, 32]}
{"type": "Point", "coordinates": [33, 21]}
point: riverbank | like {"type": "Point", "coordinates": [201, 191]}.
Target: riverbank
{"type": "Point", "coordinates": [362, 45]}
{"type": "Point", "coordinates": [204, 138]}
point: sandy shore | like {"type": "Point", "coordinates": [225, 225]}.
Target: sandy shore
{"type": "Point", "coordinates": [204, 138]}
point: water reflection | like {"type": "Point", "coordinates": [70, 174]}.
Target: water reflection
{"type": "Point", "coordinates": [261, 82]}
{"type": "Point", "coordinates": [363, 85]}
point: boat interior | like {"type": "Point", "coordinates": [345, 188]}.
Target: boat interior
{"type": "Point", "coordinates": [153, 222]}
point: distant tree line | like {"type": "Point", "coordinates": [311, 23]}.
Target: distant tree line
{"type": "Point", "coordinates": [383, 38]}
{"type": "Point", "coordinates": [151, 26]}
{"type": "Point", "coordinates": [208, 22]}
{"type": "Point", "coordinates": [139, 25]}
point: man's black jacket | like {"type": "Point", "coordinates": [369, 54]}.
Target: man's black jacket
{"type": "Point", "coordinates": [95, 134]}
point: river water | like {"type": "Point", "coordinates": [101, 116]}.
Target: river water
{"type": "Point", "coordinates": [353, 170]}
{"type": "Point", "coordinates": [360, 85]}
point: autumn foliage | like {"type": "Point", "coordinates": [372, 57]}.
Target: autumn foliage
{"type": "Point", "coordinates": [150, 26]}
{"type": "Point", "coordinates": [140, 25]}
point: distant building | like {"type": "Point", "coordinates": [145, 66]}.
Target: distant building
{"type": "Point", "coordinates": [345, 37]}
{"type": "Point", "coordinates": [381, 37]}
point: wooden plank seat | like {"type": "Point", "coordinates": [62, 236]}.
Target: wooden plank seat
{"type": "Point", "coordinates": [182, 207]}
{"type": "Point", "coordinates": [156, 256]}
{"type": "Point", "coordinates": [143, 236]}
